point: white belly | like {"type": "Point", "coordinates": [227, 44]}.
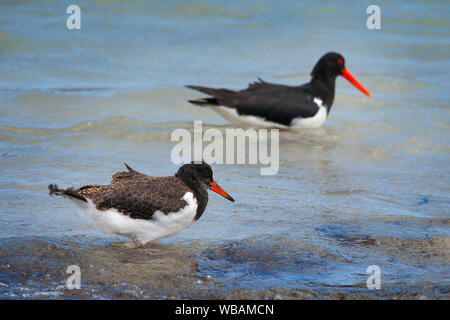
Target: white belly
{"type": "Point", "coordinates": [313, 122]}
{"type": "Point", "coordinates": [161, 225]}
{"type": "Point", "coordinates": [234, 117]}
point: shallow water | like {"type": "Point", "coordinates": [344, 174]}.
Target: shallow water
{"type": "Point", "coordinates": [369, 188]}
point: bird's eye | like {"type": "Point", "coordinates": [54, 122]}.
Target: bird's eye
{"type": "Point", "coordinates": [340, 62]}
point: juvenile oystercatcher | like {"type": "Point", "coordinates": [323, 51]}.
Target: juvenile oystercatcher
{"type": "Point", "coordinates": [265, 104]}
{"type": "Point", "coordinates": [146, 208]}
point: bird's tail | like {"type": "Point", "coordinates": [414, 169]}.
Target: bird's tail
{"type": "Point", "coordinates": [54, 190]}
{"type": "Point", "coordinates": [205, 102]}
{"type": "Point", "coordinates": [216, 95]}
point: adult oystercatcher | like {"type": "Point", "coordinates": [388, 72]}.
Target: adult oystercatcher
{"type": "Point", "coordinates": [265, 104]}
{"type": "Point", "coordinates": [146, 208]}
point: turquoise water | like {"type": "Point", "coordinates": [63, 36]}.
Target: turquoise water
{"type": "Point", "coordinates": [370, 187]}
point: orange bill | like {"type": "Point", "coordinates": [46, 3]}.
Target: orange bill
{"type": "Point", "coordinates": [215, 187]}
{"type": "Point", "coordinates": [347, 75]}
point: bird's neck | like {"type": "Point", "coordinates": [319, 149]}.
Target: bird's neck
{"type": "Point", "coordinates": [200, 193]}
{"type": "Point", "coordinates": [325, 85]}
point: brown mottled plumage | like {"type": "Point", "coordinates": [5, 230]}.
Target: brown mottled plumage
{"type": "Point", "coordinates": [139, 196]}
{"type": "Point", "coordinates": [135, 194]}
{"type": "Point", "coordinates": [147, 208]}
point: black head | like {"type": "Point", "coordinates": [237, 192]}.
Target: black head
{"type": "Point", "coordinates": [200, 174]}
{"type": "Point", "coordinates": [330, 66]}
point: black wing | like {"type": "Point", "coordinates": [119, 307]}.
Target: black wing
{"type": "Point", "coordinates": [263, 85]}
{"type": "Point", "coordinates": [273, 102]}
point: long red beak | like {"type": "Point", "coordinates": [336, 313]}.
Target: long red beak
{"type": "Point", "coordinates": [215, 187]}
{"type": "Point", "coordinates": [347, 75]}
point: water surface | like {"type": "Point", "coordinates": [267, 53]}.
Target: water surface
{"type": "Point", "coordinates": [369, 188]}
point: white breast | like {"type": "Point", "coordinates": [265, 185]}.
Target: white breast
{"type": "Point", "coordinates": [313, 122]}
{"type": "Point", "coordinates": [162, 225]}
